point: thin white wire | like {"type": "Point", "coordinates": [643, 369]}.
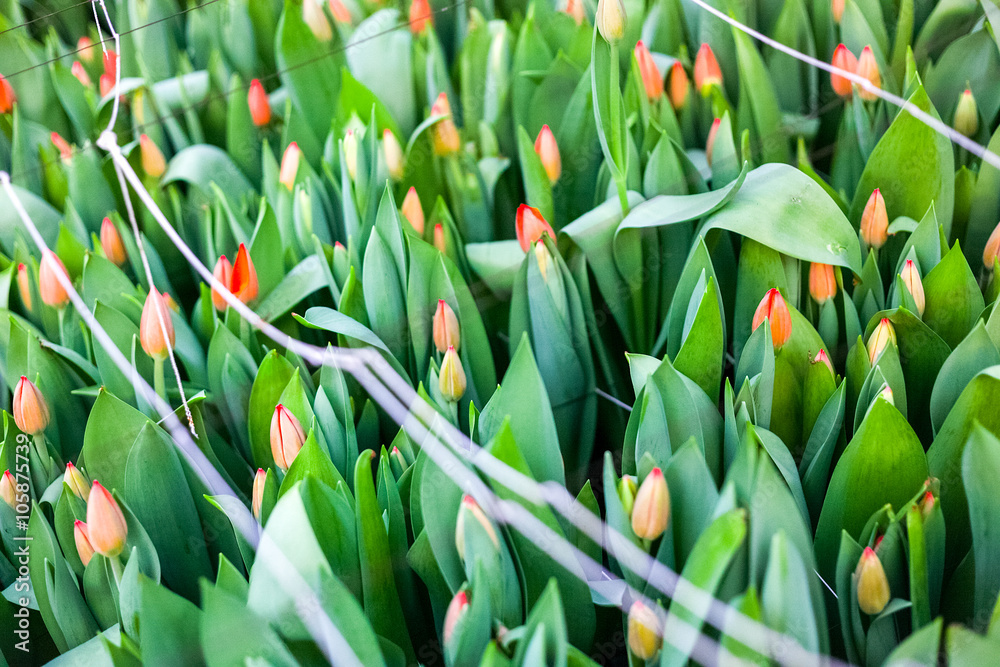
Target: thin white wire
{"type": "Point", "coordinates": [968, 144]}
{"type": "Point", "coordinates": [328, 637]}
{"type": "Point", "coordinates": [748, 631]}
{"type": "Point", "coordinates": [118, 59]}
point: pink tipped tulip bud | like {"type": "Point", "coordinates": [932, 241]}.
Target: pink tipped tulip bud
{"type": "Point", "coordinates": [76, 481]}
{"type": "Point", "coordinates": [153, 162]}
{"type": "Point", "coordinates": [65, 150]}
{"type": "Point", "coordinates": [911, 278]}
{"type": "Point", "coordinates": [575, 9]}
{"type": "Point", "coordinates": [445, 326]}
{"type": "Point", "coordinates": [440, 242]}
{"type": "Point", "coordinates": [822, 282]}
{"type": "Point", "coordinates": [8, 488]}
{"type": "Point", "coordinates": [314, 17]}
{"type": "Point", "coordinates": [651, 511]}
{"type": "Point", "coordinates": [966, 115]}
{"type": "Point", "coordinates": [83, 546]}
{"type": "Point", "coordinates": [287, 437]}
{"type": "Point", "coordinates": [456, 611]}
{"type": "Point", "coordinates": [49, 286]}
{"type": "Point", "coordinates": [707, 72]}
{"type": "Point", "coordinates": [31, 412]}
{"type": "Point", "coordinates": [289, 166]}
{"type": "Point", "coordinates": [393, 153]}
{"type": "Point", "coordinates": [773, 308]}
{"type": "Point", "coordinates": [223, 273]}
{"type": "Point", "coordinates": [710, 142]}
{"type": "Point", "coordinates": [823, 358]}
{"type": "Point", "coordinates": [470, 510]}
{"type": "Point", "coordinates": [156, 329]}
{"type": "Point", "coordinates": [111, 243]}
{"type": "Point", "coordinates": [644, 631]}
{"type": "Point", "coordinates": [548, 153]}
{"type": "Point", "coordinates": [992, 250]}
{"type": "Point", "coordinates": [451, 378]}
{"type": "Point", "coordinates": [24, 286]}
{"type": "Point", "coordinates": [868, 69]}
{"type": "Point", "coordinates": [837, 9]}
{"type": "Point", "coordinates": [80, 73]}
{"type": "Point", "coordinates": [106, 525]}
{"type": "Point", "coordinates": [85, 47]}
{"type": "Point", "coordinates": [873, 586]}
{"type": "Point", "coordinates": [875, 221]}
{"type": "Point", "coordinates": [260, 107]}
{"type": "Point", "coordinates": [412, 210]}
{"type": "Point", "coordinates": [258, 492]}
{"type": "Point", "coordinates": [529, 226]}
{"type": "Point", "coordinates": [884, 334]}
{"type": "Point", "coordinates": [845, 60]}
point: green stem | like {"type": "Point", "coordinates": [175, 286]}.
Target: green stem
{"type": "Point", "coordinates": [614, 90]}
{"type": "Point", "coordinates": [42, 450]}
{"type": "Point", "coordinates": [159, 382]}
{"type": "Point", "coordinates": [62, 324]}
{"type": "Point", "coordinates": [116, 567]}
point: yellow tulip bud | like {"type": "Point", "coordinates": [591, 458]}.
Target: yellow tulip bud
{"type": "Point", "coordinates": [651, 511]}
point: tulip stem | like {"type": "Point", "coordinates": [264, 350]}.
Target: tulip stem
{"type": "Point", "coordinates": [614, 89]}
{"type": "Point", "coordinates": [42, 450]}
{"type": "Point", "coordinates": [116, 567]}
{"type": "Point", "coordinates": [62, 325]}
{"type": "Point", "coordinates": [159, 381]}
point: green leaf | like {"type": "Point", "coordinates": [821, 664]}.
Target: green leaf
{"type": "Point", "coordinates": [980, 470]}
{"type": "Point", "coordinates": [974, 354]}
{"type": "Point", "coordinates": [954, 301]}
{"type": "Point", "coordinates": [169, 627]}
{"type": "Point", "coordinates": [202, 165]}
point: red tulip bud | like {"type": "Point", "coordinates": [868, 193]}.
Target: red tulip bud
{"type": "Point", "coordinates": [260, 107]}
{"type": "Point", "coordinates": [845, 60]}
{"type": "Point", "coordinates": [80, 73]}
{"type": "Point", "coordinates": [773, 308]}
{"type": "Point", "coordinates": [530, 225]}
{"type": "Point", "coordinates": [420, 16]}
{"type": "Point", "coordinates": [648, 71]}
{"type": "Point", "coordinates": [243, 281]}
{"type": "Point", "coordinates": [106, 525]}
{"type": "Point", "coordinates": [706, 70]}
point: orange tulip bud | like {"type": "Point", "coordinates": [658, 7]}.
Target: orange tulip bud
{"type": "Point", "coordinates": [420, 16]}
{"type": "Point", "coordinates": [111, 243]}
{"type": "Point", "coordinates": [339, 11]}
{"type": "Point", "coordinates": [65, 150]}
{"type": "Point", "coordinates": [845, 60]}
{"type": "Point", "coordinates": [223, 273]}
{"type": "Point", "coordinates": [290, 164]}
{"type": "Point", "coordinates": [773, 308]}
{"type": "Point", "coordinates": [7, 96]}
{"type": "Point", "coordinates": [884, 334]}
{"type": "Point", "coordinates": [80, 73]}
{"type": "Point", "coordinates": [76, 481]}
{"type": "Point", "coordinates": [644, 631]}
{"type": "Point", "coordinates": [548, 152]}
{"type": "Point", "coordinates": [456, 610]}
{"type": "Point", "coordinates": [440, 242]}
{"type": "Point", "coordinates": [679, 85]}
{"type": "Point", "coordinates": [49, 287]}
{"type": "Point", "coordinates": [868, 68]}
{"type": "Point", "coordinates": [85, 47]}
{"type": "Point", "coordinates": [706, 70]}
{"type": "Point", "coordinates": [651, 509]}
{"type": "Point", "coordinates": [823, 358]}
{"type": "Point", "coordinates": [412, 210]}
{"type": "Point", "coordinates": [649, 72]}
{"type": "Point", "coordinates": [530, 225]}
{"type": "Point", "coordinates": [446, 331]}
{"type": "Point", "coordinates": [111, 63]}
{"type": "Point", "coordinates": [575, 9]}
{"type": "Point", "coordinates": [966, 115]}
{"type": "Point", "coordinates": [992, 250]}
{"type": "Point", "coordinates": [911, 278]}
{"type": "Point", "coordinates": [822, 282]}
{"type": "Point", "coordinates": [260, 107]}
{"type": "Point", "coordinates": [873, 586]}
{"type": "Point", "coordinates": [258, 492]}
{"type": "Point", "coordinates": [313, 16]}
{"type": "Point", "coordinates": [611, 20]}
{"type": "Point", "coordinates": [8, 488]}
{"type": "Point", "coordinates": [24, 286]}
{"type": "Point", "coordinates": [710, 142]}
{"type": "Point", "coordinates": [393, 152]}
{"type": "Point", "coordinates": [31, 412]}
{"type": "Point", "coordinates": [243, 281]}
{"type": "Point", "coordinates": [287, 437]}
{"type": "Point", "coordinates": [106, 525]}
{"type": "Point", "coordinates": [106, 83]}
{"type": "Point", "coordinates": [837, 9]}
{"type": "Point", "coordinates": [156, 329]}
{"type": "Point", "coordinates": [451, 377]}
{"type": "Point", "coordinates": [444, 133]}
{"type": "Point", "coordinates": [470, 507]}
{"type": "Point", "coordinates": [875, 221]}
{"type": "Point", "coordinates": [153, 162]}
{"type": "Point", "coordinates": [83, 546]}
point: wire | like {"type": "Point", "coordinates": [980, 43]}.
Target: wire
{"type": "Point", "coordinates": [43, 17]}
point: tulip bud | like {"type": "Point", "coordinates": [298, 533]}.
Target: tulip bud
{"type": "Point", "coordinates": [398, 462]}
{"type": "Point", "coordinates": [85, 47]}
{"type": "Point", "coordinates": [350, 146]}
{"type": "Point", "coordinates": [710, 142]}
{"type": "Point", "coordinates": [649, 72]}
{"type": "Point", "coordinates": [260, 107]}
{"type": "Point", "coordinates": [111, 63]}
{"type": "Point", "coordinates": [106, 527]}
{"type": "Point", "coordinates": [707, 72]}
{"type": "Point", "coordinates": [287, 437]}
{"type": "Point", "coordinates": [49, 287]}
{"type": "Point", "coordinates": [451, 377]}
{"type": "Point", "coordinates": [243, 280]}
{"type": "Point", "coordinates": [446, 331]}
{"type": "Point", "coordinates": [611, 20]}
{"type": "Point", "coordinates": [548, 152]}
{"type": "Point", "coordinates": [875, 221]}
{"type": "Point", "coordinates": [65, 150]}
{"type": "Point", "coordinates": [7, 96]}
{"type": "Point", "coordinates": [76, 481]}
{"type": "Point", "coordinates": [440, 242]}
{"type": "Point", "coordinates": [845, 60]}
{"type": "Point", "coordinates": [393, 152]}
{"type": "Point", "coordinates": [469, 507]}
{"type": "Point", "coordinates": [8, 488]}
{"type": "Point", "coordinates": [823, 358]}
{"type": "Point", "coordinates": [927, 505]}
{"type": "Point", "coordinates": [992, 250]}
{"type": "Point", "coordinates": [420, 16]}
{"type": "Point", "coordinates": [884, 334]}
{"type": "Point", "coordinates": [679, 85]}
{"type": "Point", "coordinates": [868, 68]}
{"type": "Point", "coordinates": [966, 116]}
{"type": "Point", "coordinates": [412, 210]}
{"type": "Point", "coordinates": [24, 286]}
{"type": "Point", "coordinates": [444, 133]}
{"type": "Point", "coordinates": [651, 511]}
{"type": "Point", "coordinates": [111, 243]}
{"type": "Point", "coordinates": [80, 73]}
{"type": "Point", "coordinates": [156, 329]}
{"type": "Point", "coordinates": [575, 9]}
{"type": "Point", "coordinates": [223, 273]}
{"type": "Point", "coordinates": [544, 260]}
{"type": "Point", "coordinates": [83, 546]}
{"type": "Point", "coordinates": [626, 493]}
{"type": "Point", "coordinates": [873, 587]}
{"type": "Point", "coordinates": [773, 308]}
{"type": "Point", "coordinates": [258, 492]}
{"type": "Point", "coordinates": [456, 610]}
{"type": "Point", "coordinates": [153, 162]}
{"type": "Point", "coordinates": [530, 225]}
{"type": "Point", "coordinates": [911, 278]}
{"type": "Point", "coordinates": [313, 16]}
{"type": "Point", "coordinates": [31, 412]}
{"type": "Point", "coordinates": [886, 395]}
{"type": "Point", "coordinates": [106, 83]}
{"type": "Point", "coordinates": [822, 282]}
{"type": "Point", "coordinates": [290, 163]}
{"type": "Point", "coordinates": [837, 9]}
{"type": "Point", "coordinates": [644, 633]}
{"type": "Point", "coordinates": [339, 11]}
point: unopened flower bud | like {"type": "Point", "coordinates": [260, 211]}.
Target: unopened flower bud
{"type": "Point", "coordinates": [927, 505]}
{"type": "Point", "coordinates": [420, 16]}
{"type": "Point", "coordinates": [106, 83]}
{"type": "Point", "coordinates": [31, 412]}
{"type": "Point", "coordinates": [339, 12]}
{"type": "Point", "coordinates": [49, 287]}
{"type": "Point", "coordinates": [679, 85]}
{"type": "Point", "coordinates": [873, 586]}
{"type": "Point", "coordinates": [649, 72]}
{"type": "Point", "coordinates": [398, 462]}
{"type": "Point", "coordinates": [65, 150]}
{"type": "Point", "coordinates": [350, 147]}
{"type": "Point", "coordinates": [875, 221]}
{"type": "Point", "coordinates": [223, 273]}
{"type": "Point", "coordinates": [707, 72]}
{"type": "Point", "coordinates": [823, 358]}
{"type": "Point", "coordinates": [106, 525]}
{"type": "Point", "coordinates": [868, 69]}
{"type": "Point", "coordinates": [544, 259]}
{"type": "Point", "coordinates": [7, 96]}
{"type": "Point", "coordinates": [529, 226]}
{"type": "Point", "coordinates": [773, 308]}
{"type": "Point", "coordinates": [845, 60]}
{"type": "Point", "coordinates": [884, 334]}
{"type": "Point", "coordinates": [76, 481]}
{"type": "Point", "coordinates": [80, 73]}
{"type": "Point", "coordinates": [412, 210]}
{"type": "Point", "coordinates": [156, 329]}
{"type": "Point", "coordinates": [287, 437]}
{"type": "Point", "coordinates": [651, 511]}
{"type": "Point", "coordinates": [644, 632]}
{"type": "Point", "coordinates": [440, 242]}
{"type": "Point", "coordinates": [548, 153]}
{"type": "Point", "coordinates": [153, 162]}
{"type": "Point", "coordinates": [966, 115]}
{"type": "Point", "coordinates": [446, 331]}
{"type": "Point", "coordinates": [627, 489]}
{"type": "Point", "coordinates": [911, 278]}
{"type": "Point", "coordinates": [8, 488]}
{"type": "Point", "coordinates": [258, 493]}
{"type": "Point", "coordinates": [86, 49]}
{"type": "Point", "coordinates": [111, 63]}
{"type": "Point", "coordinates": [290, 162]}
{"type": "Point", "coordinates": [82, 538]}
{"type": "Point", "coordinates": [992, 250]}
{"type": "Point", "coordinates": [837, 9]}
{"type": "Point", "coordinates": [260, 107]}
{"type": "Point", "coordinates": [393, 153]}
{"type": "Point", "coordinates": [451, 377]}
{"type": "Point", "coordinates": [24, 286]}
{"type": "Point", "coordinates": [313, 16]}
{"type": "Point", "coordinates": [470, 510]}
{"type": "Point", "coordinates": [243, 280]}
{"type": "Point", "coordinates": [887, 395]}
{"type": "Point", "coordinates": [822, 282]}
{"type": "Point", "coordinates": [456, 611]}
{"type": "Point", "coordinates": [713, 132]}
{"type": "Point", "coordinates": [575, 9]}
{"type": "Point", "coordinates": [444, 134]}
{"type": "Point", "coordinates": [611, 20]}
{"type": "Point", "coordinates": [111, 243]}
